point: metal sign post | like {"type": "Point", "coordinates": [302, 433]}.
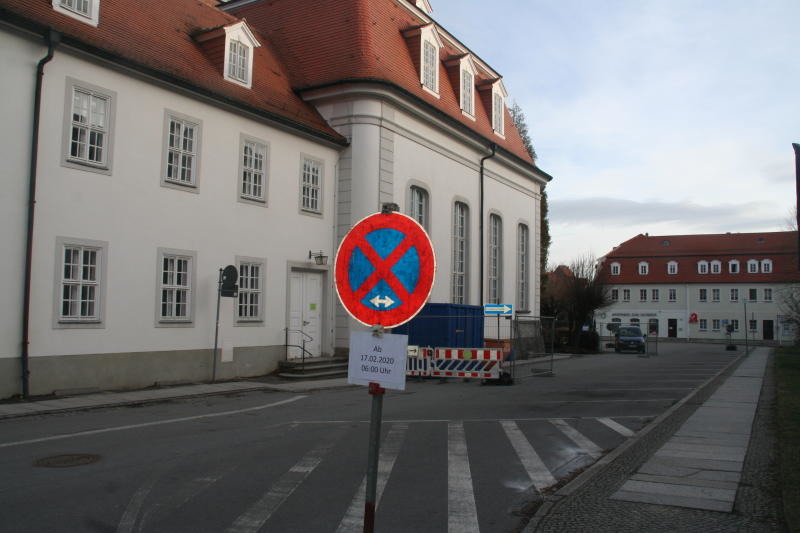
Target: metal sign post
{"type": "Point", "coordinates": [226, 286]}
{"type": "Point", "coordinates": [384, 271]}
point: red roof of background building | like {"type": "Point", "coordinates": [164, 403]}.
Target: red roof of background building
{"type": "Point", "coordinates": [333, 41]}
{"type": "Point", "coordinates": [157, 37]}
{"type": "Point", "coordinates": [781, 247]}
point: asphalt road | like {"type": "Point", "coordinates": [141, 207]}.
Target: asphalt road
{"type": "Point", "coordinates": [455, 456]}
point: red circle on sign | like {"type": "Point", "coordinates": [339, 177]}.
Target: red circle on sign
{"type": "Point", "coordinates": [414, 236]}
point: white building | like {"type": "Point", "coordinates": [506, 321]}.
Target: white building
{"type": "Point", "coordinates": [698, 287]}
{"type": "Point", "coordinates": [181, 137]}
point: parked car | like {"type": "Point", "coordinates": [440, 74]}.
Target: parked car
{"type": "Point", "coordinates": [629, 338]}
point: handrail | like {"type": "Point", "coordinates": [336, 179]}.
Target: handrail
{"type": "Point", "coordinates": [303, 333]}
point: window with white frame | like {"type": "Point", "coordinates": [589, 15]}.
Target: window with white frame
{"type": "Point", "coordinates": [767, 295]}
{"type": "Point", "coordinates": [182, 150]}
{"type": "Point", "coordinates": [672, 267]}
{"type": "Point", "coordinates": [716, 267]}
{"type": "Point", "coordinates": [734, 295]}
{"type": "Point", "coordinates": [644, 268]}
{"type": "Point", "coordinates": [703, 295]}
{"type": "Point", "coordinates": [702, 267]}
{"type": "Point", "coordinates": [495, 248]}
{"type": "Point", "coordinates": [673, 295]}
{"type": "Point", "coordinates": [252, 172]}
{"type": "Point", "coordinates": [714, 295]}
{"type": "Point", "coordinates": [523, 268]}
{"type": "Point", "coordinates": [733, 266]}
{"type": "Point", "coordinates": [240, 44]}
{"type": "Point", "coordinates": [419, 205]}
{"type": "Point", "coordinates": [251, 291]}
{"type": "Point", "coordinates": [615, 269]}
{"type": "Point", "coordinates": [715, 324]}
{"type": "Point", "coordinates": [735, 324]}
{"type": "Point", "coordinates": [614, 295]}
{"type": "Point", "coordinates": [643, 295]}
{"type": "Point", "coordinates": [87, 11]}
{"type": "Point", "coordinates": [467, 92]}
{"type": "Point", "coordinates": [81, 268]}
{"type": "Point", "coordinates": [311, 186]}
{"type": "Point", "coordinates": [175, 287]}
{"type": "Point", "coordinates": [498, 113]}
{"type": "Point", "coordinates": [88, 128]}
{"type": "Point", "coordinates": [626, 295]}
{"type": "Point", "coordinates": [460, 253]}
{"type": "Point", "coordinates": [766, 266]}
{"type": "Point", "coordinates": [654, 295]}
{"type": "Point", "coordinates": [752, 266]}
{"type": "Point", "coordinates": [703, 326]}
{"type": "Point", "coordinates": [238, 59]}
{"type": "Point", "coordinates": [430, 66]}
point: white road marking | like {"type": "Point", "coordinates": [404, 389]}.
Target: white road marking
{"type": "Point", "coordinates": [257, 515]}
{"type": "Point", "coordinates": [619, 428]}
{"type": "Point", "coordinates": [539, 473]}
{"type": "Point", "coordinates": [148, 424]}
{"type": "Point", "coordinates": [128, 520]}
{"type": "Point", "coordinates": [462, 514]}
{"type": "Point", "coordinates": [578, 438]}
{"type": "Point", "coordinates": [353, 520]}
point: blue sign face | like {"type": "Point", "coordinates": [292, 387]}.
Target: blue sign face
{"type": "Point", "coordinates": [498, 309]}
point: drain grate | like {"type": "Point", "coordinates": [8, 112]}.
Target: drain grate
{"type": "Point", "coordinates": [67, 460]}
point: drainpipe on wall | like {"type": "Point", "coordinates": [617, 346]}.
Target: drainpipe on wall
{"type": "Point", "coordinates": [52, 38]}
{"type": "Point", "coordinates": [493, 147]}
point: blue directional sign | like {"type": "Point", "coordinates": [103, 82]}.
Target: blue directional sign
{"type": "Point", "coordinates": [498, 309]}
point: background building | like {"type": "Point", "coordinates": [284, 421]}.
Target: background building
{"type": "Point", "coordinates": [693, 286]}
{"type": "Point", "coordinates": [173, 139]}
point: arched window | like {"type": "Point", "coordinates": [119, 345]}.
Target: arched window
{"type": "Point", "coordinates": [495, 249]}
{"type": "Point", "coordinates": [419, 206]}
{"type": "Point", "coordinates": [459, 288]}
{"type": "Point", "coordinates": [523, 268]}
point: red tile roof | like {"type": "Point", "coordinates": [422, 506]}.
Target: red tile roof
{"type": "Point", "coordinates": [781, 247]}
{"type": "Point", "coordinates": [157, 38]}
{"type": "Point", "coordinates": [334, 41]}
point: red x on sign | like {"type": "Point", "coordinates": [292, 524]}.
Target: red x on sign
{"type": "Point", "coordinates": [384, 269]}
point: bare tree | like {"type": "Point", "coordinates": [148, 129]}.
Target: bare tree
{"type": "Point", "coordinates": [789, 304]}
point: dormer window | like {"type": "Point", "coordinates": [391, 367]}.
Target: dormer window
{"type": "Point", "coordinates": [615, 269]}
{"type": "Point", "coordinates": [467, 92]}
{"type": "Point", "coordinates": [752, 266]}
{"type": "Point", "coordinates": [499, 108]}
{"type": "Point", "coordinates": [430, 70]}
{"type": "Point", "coordinates": [733, 266]}
{"type": "Point", "coordinates": [239, 46]}
{"type": "Point", "coordinates": [672, 268]}
{"type": "Point", "coordinates": [644, 268]}
{"type": "Point", "coordinates": [425, 45]}
{"type": "Point", "coordinates": [702, 267]}
{"type": "Point", "coordinates": [87, 11]}
{"type": "Point", "coordinates": [766, 266]}
{"type": "Point", "coordinates": [716, 267]}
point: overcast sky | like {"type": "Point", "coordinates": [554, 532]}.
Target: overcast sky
{"type": "Point", "coordinates": [661, 117]}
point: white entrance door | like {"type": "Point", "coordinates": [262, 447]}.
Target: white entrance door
{"type": "Point", "coordinates": [305, 314]}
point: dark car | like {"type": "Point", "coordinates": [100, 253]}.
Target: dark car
{"type": "Point", "coordinates": [629, 338]}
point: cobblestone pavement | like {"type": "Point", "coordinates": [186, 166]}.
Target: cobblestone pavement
{"type": "Point", "coordinates": [584, 504]}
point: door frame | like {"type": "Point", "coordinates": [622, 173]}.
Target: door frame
{"type": "Point", "coordinates": [326, 320]}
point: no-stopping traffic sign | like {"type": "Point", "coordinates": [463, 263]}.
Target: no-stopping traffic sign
{"type": "Point", "coordinates": [384, 269]}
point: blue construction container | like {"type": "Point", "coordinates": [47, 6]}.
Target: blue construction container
{"type": "Point", "coordinates": [445, 326]}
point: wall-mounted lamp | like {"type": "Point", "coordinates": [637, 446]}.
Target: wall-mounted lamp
{"type": "Point", "coordinates": [319, 257]}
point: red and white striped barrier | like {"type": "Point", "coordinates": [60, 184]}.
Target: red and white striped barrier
{"type": "Point", "coordinates": [480, 363]}
{"type": "Point", "coordinates": [418, 362]}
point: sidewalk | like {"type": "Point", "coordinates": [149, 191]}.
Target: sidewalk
{"type": "Point", "coordinates": [703, 466]}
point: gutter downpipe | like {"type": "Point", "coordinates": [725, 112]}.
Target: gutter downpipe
{"type": "Point", "coordinates": [52, 38]}
{"type": "Point", "coordinates": [493, 147]}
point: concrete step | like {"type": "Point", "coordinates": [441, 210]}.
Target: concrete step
{"type": "Point", "coordinates": [313, 368]}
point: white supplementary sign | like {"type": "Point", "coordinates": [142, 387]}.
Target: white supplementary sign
{"type": "Point", "coordinates": [379, 360]}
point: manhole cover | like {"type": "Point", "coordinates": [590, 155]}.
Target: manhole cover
{"type": "Point", "coordinates": [65, 461]}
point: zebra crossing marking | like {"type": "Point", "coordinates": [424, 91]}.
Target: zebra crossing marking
{"type": "Point", "coordinates": [353, 520]}
{"type": "Point", "coordinates": [257, 515]}
{"type": "Point", "coordinates": [540, 475]}
{"type": "Point", "coordinates": [619, 428]}
{"type": "Point", "coordinates": [592, 449]}
{"type": "Point", "coordinates": [462, 513]}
